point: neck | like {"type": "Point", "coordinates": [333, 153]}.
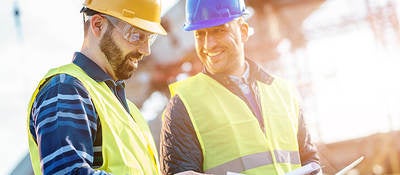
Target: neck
{"type": "Point", "coordinates": [240, 71]}
{"type": "Point", "coordinates": [95, 54]}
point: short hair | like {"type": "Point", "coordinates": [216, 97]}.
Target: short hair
{"type": "Point", "coordinates": [87, 12]}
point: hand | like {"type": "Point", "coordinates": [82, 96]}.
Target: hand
{"type": "Point", "coordinates": [191, 173]}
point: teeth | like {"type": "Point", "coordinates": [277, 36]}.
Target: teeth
{"type": "Point", "coordinates": [213, 53]}
{"type": "Point", "coordinates": [133, 59]}
{"type": "Point", "coordinates": [136, 59]}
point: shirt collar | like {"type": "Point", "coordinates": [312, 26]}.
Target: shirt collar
{"type": "Point", "coordinates": [252, 73]}
{"type": "Point", "coordinates": [244, 77]}
{"type": "Point", "coordinates": [93, 70]}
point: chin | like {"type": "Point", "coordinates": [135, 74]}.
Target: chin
{"type": "Point", "coordinates": [129, 75]}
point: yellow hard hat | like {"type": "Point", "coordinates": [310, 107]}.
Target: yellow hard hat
{"type": "Point", "coordinates": [144, 14]}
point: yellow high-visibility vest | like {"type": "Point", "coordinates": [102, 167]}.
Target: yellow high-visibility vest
{"type": "Point", "coordinates": [229, 134]}
{"type": "Point", "coordinates": [127, 147]}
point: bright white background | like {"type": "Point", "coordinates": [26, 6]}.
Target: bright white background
{"type": "Point", "coordinates": [49, 33]}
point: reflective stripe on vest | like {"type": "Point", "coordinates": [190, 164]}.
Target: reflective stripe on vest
{"type": "Point", "coordinates": [128, 146]}
{"type": "Point", "coordinates": [255, 160]}
{"type": "Point", "coordinates": [291, 157]}
{"type": "Point", "coordinates": [228, 132]}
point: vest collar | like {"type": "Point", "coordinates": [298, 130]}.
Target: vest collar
{"type": "Point", "coordinates": [256, 73]}
{"type": "Point", "coordinates": [94, 71]}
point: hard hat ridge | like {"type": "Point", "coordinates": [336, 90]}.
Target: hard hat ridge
{"type": "Point", "coordinates": [208, 13]}
{"type": "Point", "coordinates": [144, 14]}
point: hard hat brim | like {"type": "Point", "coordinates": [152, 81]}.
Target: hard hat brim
{"type": "Point", "coordinates": [153, 27]}
{"type": "Point", "coordinates": [207, 23]}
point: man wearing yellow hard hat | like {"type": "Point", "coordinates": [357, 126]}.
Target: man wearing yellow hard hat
{"type": "Point", "coordinates": [79, 119]}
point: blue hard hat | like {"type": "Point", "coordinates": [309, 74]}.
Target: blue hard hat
{"type": "Point", "coordinates": [209, 13]}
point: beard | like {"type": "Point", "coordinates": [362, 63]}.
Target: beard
{"type": "Point", "coordinates": [121, 65]}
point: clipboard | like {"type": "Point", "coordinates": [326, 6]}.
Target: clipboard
{"type": "Point", "coordinates": [350, 166]}
{"type": "Point", "coordinates": [313, 166]}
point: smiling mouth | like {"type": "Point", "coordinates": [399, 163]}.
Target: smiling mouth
{"type": "Point", "coordinates": [135, 60]}
{"type": "Point", "coordinates": [213, 54]}
{"type": "Point", "coordinates": [135, 57]}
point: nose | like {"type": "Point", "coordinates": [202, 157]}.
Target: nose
{"type": "Point", "coordinates": [144, 48]}
{"type": "Point", "coordinates": [209, 41]}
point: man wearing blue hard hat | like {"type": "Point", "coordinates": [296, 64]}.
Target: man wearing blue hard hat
{"type": "Point", "coordinates": [233, 116]}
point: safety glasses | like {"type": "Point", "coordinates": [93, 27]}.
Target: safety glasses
{"type": "Point", "coordinates": [130, 33]}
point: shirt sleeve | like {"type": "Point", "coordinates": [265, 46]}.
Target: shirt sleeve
{"type": "Point", "coordinates": [64, 123]}
{"type": "Point", "coordinates": [307, 149]}
{"type": "Point", "coordinates": [179, 147]}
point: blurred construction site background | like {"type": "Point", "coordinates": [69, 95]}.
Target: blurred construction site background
{"type": "Point", "coordinates": [343, 56]}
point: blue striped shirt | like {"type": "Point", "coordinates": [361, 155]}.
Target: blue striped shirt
{"type": "Point", "coordinates": [64, 121]}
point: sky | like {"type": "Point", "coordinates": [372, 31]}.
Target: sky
{"type": "Point", "coordinates": [355, 88]}
{"type": "Point", "coordinates": [354, 76]}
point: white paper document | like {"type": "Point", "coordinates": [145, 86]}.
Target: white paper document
{"type": "Point", "coordinates": [306, 169]}
{"type": "Point", "coordinates": [314, 166]}
{"type": "Point", "coordinates": [350, 166]}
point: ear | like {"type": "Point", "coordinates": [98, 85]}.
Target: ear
{"type": "Point", "coordinates": [244, 29]}
{"type": "Point", "coordinates": [97, 25]}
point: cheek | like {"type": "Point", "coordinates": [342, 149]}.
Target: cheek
{"type": "Point", "coordinates": [124, 45]}
{"type": "Point", "coordinates": [197, 46]}
{"type": "Point", "coordinates": [127, 50]}
{"type": "Point", "coordinates": [199, 52]}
